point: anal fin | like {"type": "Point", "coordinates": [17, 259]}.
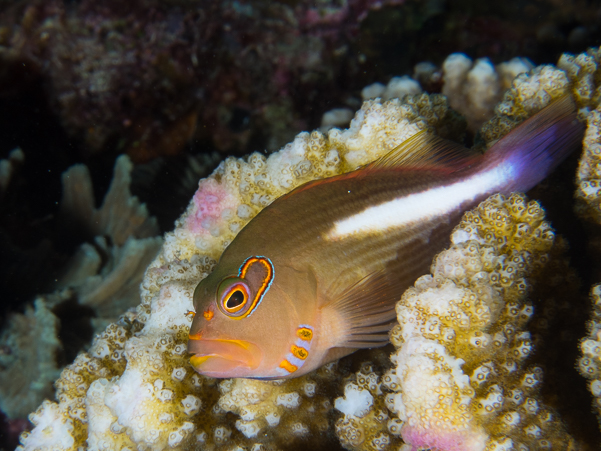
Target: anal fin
{"type": "Point", "coordinates": [365, 311]}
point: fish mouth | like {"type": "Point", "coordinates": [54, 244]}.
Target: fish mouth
{"type": "Point", "coordinates": [224, 358]}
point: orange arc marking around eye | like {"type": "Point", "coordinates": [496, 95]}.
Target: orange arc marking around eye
{"type": "Point", "coordinates": [264, 286]}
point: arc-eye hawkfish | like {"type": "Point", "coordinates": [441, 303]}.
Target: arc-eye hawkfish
{"type": "Point", "coordinates": [316, 274]}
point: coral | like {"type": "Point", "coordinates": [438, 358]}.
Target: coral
{"type": "Point", "coordinates": [530, 92]}
{"type": "Point", "coordinates": [135, 388]}
{"type": "Point", "coordinates": [590, 362]}
{"type": "Point", "coordinates": [583, 71]}
{"type": "Point", "coordinates": [281, 412]}
{"type": "Point", "coordinates": [112, 287]}
{"type": "Point", "coordinates": [104, 277]}
{"type": "Point", "coordinates": [462, 373]}
{"type": "Point", "coordinates": [338, 117]}
{"type": "Point", "coordinates": [157, 379]}
{"type": "Point", "coordinates": [397, 88]}
{"type": "Point", "coordinates": [474, 88]}
{"type": "Point", "coordinates": [28, 361]}
{"type": "Point", "coordinates": [588, 177]}
{"type": "Point", "coordinates": [366, 422]}
{"type": "Point", "coordinates": [121, 215]}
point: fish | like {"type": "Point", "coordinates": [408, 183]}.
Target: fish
{"type": "Point", "coordinates": [316, 274]}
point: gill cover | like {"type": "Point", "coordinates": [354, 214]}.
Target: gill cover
{"type": "Point", "coordinates": [239, 296]}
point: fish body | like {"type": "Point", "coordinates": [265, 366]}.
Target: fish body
{"type": "Point", "coordinates": [316, 274]}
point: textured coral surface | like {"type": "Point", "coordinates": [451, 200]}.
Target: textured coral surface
{"type": "Point", "coordinates": [590, 362]}
{"type": "Point", "coordinates": [463, 344]}
{"type": "Point", "coordinates": [461, 376]}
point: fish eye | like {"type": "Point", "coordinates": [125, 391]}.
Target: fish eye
{"type": "Point", "coordinates": [233, 297]}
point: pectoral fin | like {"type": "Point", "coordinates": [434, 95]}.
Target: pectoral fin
{"type": "Point", "coordinates": [366, 310]}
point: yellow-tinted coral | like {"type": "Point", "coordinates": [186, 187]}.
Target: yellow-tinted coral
{"type": "Point", "coordinates": [583, 73]}
{"type": "Point", "coordinates": [588, 177]}
{"type": "Point", "coordinates": [270, 410]}
{"type": "Point", "coordinates": [474, 88]}
{"type": "Point", "coordinates": [465, 341]}
{"type": "Point", "coordinates": [590, 362]}
{"type": "Point", "coordinates": [104, 360]}
{"type": "Point", "coordinates": [530, 92]}
{"type": "Point", "coordinates": [150, 395]}
{"type": "Point", "coordinates": [367, 422]}
{"type": "Point", "coordinates": [463, 382]}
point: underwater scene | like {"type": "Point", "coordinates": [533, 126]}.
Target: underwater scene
{"type": "Point", "coordinates": [300, 225]}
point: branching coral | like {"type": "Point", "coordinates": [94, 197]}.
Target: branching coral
{"type": "Point", "coordinates": [588, 179]}
{"type": "Point", "coordinates": [461, 377]}
{"type": "Point", "coordinates": [474, 88]}
{"type": "Point", "coordinates": [367, 421]}
{"type": "Point", "coordinates": [28, 361]}
{"type": "Point", "coordinates": [584, 70]}
{"type": "Point", "coordinates": [299, 409]}
{"type": "Point", "coordinates": [157, 379]}
{"type": "Point", "coordinates": [104, 277]}
{"type": "Point", "coordinates": [463, 347]}
{"type": "Point", "coordinates": [121, 215]}
{"type": "Point", "coordinates": [590, 362]}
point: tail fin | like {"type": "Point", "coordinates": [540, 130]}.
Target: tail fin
{"type": "Point", "coordinates": [536, 147]}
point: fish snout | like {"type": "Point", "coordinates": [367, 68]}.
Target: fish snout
{"type": "Point", "coordinates": [224, 358]}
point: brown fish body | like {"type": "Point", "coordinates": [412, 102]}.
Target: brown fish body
{"type": "Point", "coordinates": [336, 254]}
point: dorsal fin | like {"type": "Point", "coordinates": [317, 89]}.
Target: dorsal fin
{"type": "Point", "coordinates": [424, 149]}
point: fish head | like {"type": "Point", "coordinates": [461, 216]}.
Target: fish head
{"type": "Point", "coordinates": [244, 322]}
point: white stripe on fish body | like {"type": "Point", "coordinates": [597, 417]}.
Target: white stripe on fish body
{"type": "Point", "coordinates": [422, 206]}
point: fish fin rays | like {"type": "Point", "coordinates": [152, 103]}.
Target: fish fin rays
{"type": "Point", "coordinates": [538, 145]}
{"type": "Point", "coordinates": [367, 310]}
{"type": "Point", "coordinates": [425, 150]}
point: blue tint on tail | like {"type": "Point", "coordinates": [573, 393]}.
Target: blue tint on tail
{"type": "Point", "coordinates": [536, 147]}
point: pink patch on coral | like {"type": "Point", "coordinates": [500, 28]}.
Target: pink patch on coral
{"type": "Point", "coordinates": [440, 440]}
{"type": "Point", "coordinates": [212, 202]}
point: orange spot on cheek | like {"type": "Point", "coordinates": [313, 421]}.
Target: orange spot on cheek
{"type": "Point", "coordinates": [288, 366]}
{"type": "Point", "coordinates": [196, 336]}
{"type": "Point", "coordinates": [304, 334]}
{"type": "Point", "coordinates": [208, 314]}
{"type": "Point", "coordinates": [299, 352]}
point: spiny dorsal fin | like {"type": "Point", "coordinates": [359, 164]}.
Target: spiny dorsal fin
{"type": "Point", "coordinates": [368, 310]}
{"type": "Point", "coordinates": [424, 149]}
